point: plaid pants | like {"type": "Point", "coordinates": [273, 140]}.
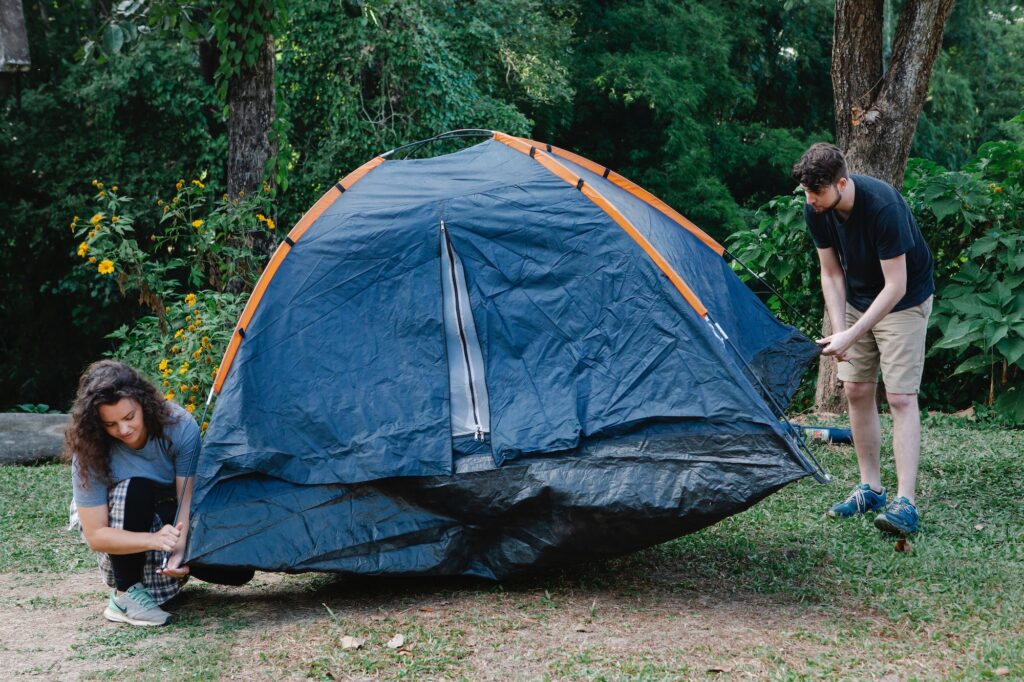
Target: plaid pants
{"type": "Point", "coordinates": [161, 586]}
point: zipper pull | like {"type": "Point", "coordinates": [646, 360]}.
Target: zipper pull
{"type": "Point", "coordinates": [479, 434]}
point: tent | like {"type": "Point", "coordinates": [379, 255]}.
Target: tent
{"type": "Point", "coordinates": [488, 361]}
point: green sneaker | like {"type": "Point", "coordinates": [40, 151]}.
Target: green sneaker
{"type": "Point", "coordinates": [136, 607]}
{"type": "Point", "coordinates": [899, 519]}
{"type": "Point", "coordinates": [860, 501]}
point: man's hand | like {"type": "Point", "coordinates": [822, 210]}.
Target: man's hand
{"type": "Point", "coordinates": [838, 344]}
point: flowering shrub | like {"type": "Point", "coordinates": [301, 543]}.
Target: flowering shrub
{"type": "Point", "coordinates": [191, 260]}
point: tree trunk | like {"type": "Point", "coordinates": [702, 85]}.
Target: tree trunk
{"type": "Point", "coordinates": [876, 110]}
{"type": "Point", "coordinates": [251, 108]}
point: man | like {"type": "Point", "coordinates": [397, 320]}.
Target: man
{"type": "Point", "coordinates": [876, 278]}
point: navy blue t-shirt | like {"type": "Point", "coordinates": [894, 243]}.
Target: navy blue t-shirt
{"type": "Point", "coordinates": [879, 227]}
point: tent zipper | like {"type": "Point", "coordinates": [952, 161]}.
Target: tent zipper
{"type": "Point", "coordinates": [479, 435]}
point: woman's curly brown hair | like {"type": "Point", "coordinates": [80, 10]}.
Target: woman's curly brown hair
{"type": "Point", "coordinates": [107, 382]}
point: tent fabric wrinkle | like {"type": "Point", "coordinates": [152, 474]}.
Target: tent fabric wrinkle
{"type": "Point", "coordinates": [470, 365]}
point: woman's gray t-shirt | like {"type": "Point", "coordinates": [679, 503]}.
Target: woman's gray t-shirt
{"type": "Point", "coordinates": [159, 460]}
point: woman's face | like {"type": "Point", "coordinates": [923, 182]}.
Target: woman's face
{"type": "Point", "coordinates": [123, 421]}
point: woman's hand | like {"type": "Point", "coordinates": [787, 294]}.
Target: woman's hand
{"type": "Point", "coordinates": [166, 538]}
{"type": "Point", "coordinates": [174, 568]}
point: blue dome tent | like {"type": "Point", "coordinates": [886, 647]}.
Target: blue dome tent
{"type": "Point", "coordinates": [497, 359]}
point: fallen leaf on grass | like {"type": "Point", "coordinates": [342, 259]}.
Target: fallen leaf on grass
{"type": "Point", "coordinates": [903, 545]}
{"type": "Point", "coordinates": [396, 642]}
{"type": "Point", "coordinates": [426, 609]}
{"type": "Point", "coordinates": [404, 652]}
{"type": "Point", "coordinates": [980, 526]}
{"type": "Point", "coordinates": [720, 669]}
{"type": "Point", "coordinates": [1002, 671]}
{"type": "Point", "coordinates": [351, 642]}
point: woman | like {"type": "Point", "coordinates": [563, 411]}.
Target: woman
{"type": "Point", "coordinates": [130, 451]}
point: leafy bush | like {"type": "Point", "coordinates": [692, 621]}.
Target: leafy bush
{"type": "Point", "coordinates": [191, 260]}
{"type": "Point", "coordinates": [976, 216]}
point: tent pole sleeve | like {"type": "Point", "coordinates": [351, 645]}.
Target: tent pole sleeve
{"type": "Point", "coordinates": [634, 189]}
{"type": "Point", "coordinates": [552, 164]}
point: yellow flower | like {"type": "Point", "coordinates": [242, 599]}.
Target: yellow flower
{"type": "Point", "coordinates": [195, 388]}
{"type": "Point", "coordinates": [224, 197]}
{"type": "Point", "coordinates": [270, 224]}
{"type": "Point", "coordinates": [114, 188]}
{"type": "Point", "coordinates": [213, 373]}
{"type": "Point", "coordinates": [196, 354]}
{"type": "Point", "coordinates": [106, 267]}
{"type": "Point", "coordinates": [197, 224]}
{"type": "Point", "coordinates": [190, 300]}
{"type": "Point", "coordinates": [206, 425]}
{"type": "Point", "coordinates": [95, 182]}
{"type": "Point", "coordinates": [191, 327]}
{"type": "Point", "coordinates": [166, 383]}
{"type": "Point", "coordinates": [92, 259]}
{"type": "Point", "coordinates": [167, 309]}
{"type": "Point", "coordinates": [152, 237]}
{"type": "Point", "coordinates": [198, 184]}
{"type": "Point", "coordinates": [163, 364]}
{"type": "Point", "coordinates": [997, 190]}
{"type": "Point", "coordinates": [166, 208]}
{"type": "Point", "coordinates": [179, 184]}
{"type": "Point", "coordinates": [169, 395]}
{"type": "Point", "coordinates": [191, 408]}
{"type": "Point", "coordinates": [183, 388]}
{"type": "Point", "coordinates": [114, 219]}
{"type": "Point", "coordinates": [99, 185]}
{"type": "Point", "coordinates": [183, 369]}
{"type": "Point", "coordinates": [83, 249]}
{"type": "Point", "coordinates": [102, 194]}
{"type": "Point", "coordinates": [175, 350]}
{"type": "Point", "coordinates": [178, 334]}
{"type": "Point", "coordinates": [165, 373]}
{"type": "Point", "coordinates": [95, 220]}
{"type": "Point", "coordinates": [159, 202]}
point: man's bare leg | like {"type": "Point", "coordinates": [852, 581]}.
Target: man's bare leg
{"type": "Point", "coordinates": [867, 431]}
{"type": "Point", "coordinates": [906, 441]}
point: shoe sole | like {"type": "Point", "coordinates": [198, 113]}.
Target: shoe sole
{"type": "Point", "coordinates": [888, 526]}
{"type": "Point", "coordinates": [116, 617]}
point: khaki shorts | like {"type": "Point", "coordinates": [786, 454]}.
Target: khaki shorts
{"type": "Point", "coordinates": [896, 344]}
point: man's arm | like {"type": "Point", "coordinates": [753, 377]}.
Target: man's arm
{"type": "Point", "coordinates": [895, 272]}
{"type": "Point", "coordinates": [833, 288]}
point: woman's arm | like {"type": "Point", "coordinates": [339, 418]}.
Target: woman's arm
{"type": "Point", "coordinates": [102, 538]}
{"type": "Point", "coordinates": [174, 567]}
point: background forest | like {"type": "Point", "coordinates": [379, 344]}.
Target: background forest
{"type": "Point", "coordinates": [121, 234]}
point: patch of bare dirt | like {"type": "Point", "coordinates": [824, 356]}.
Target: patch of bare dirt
{"type": "Point", "coordinates": [47, 622]}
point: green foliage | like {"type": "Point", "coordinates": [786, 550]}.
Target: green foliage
{"type": "Point", "coordinates": [974, 222]}
{"type": "Point", "coordinates": [193, 242]}
{"type": "Point", "coordinates": [703, 110]}
{"type": "Point", "coordinates": [352, 88]}
{"type": "Point", "coordinates": [779, 250]}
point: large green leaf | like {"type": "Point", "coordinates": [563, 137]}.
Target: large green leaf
{"type": "Point", "coordinates": [973, 364]}
{"type": "Point", "coordinates": [1012, 348]}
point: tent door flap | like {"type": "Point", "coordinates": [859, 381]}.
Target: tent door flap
{"type": "Point", "coordinates": [470, 413]}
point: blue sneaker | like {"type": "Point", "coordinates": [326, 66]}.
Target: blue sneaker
{"type": "Point", "coordinates": [900, 518]}
{"type": "Point", "coordinates": [862, 500]}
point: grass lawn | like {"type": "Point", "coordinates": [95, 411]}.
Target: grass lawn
{"type": "Point", "coordinates": [777, 592]}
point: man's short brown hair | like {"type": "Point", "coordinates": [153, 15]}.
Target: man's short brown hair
{"type": "Point", "coordinates": [820, 166]}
